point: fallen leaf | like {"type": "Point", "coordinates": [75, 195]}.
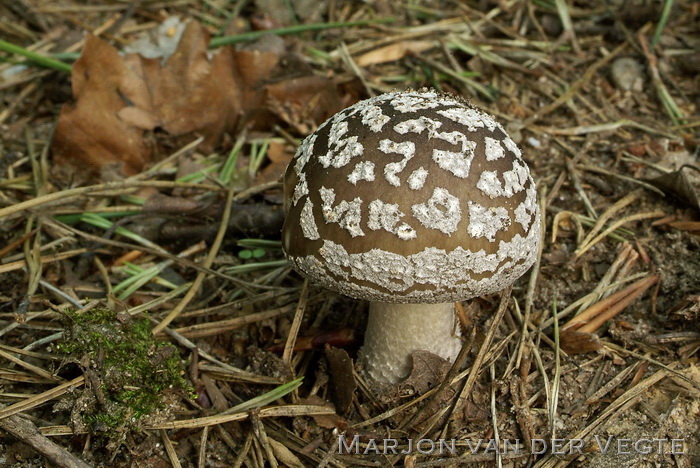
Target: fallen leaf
{"type": "Point", "coordinates": [393, 52]}
{"type": "Point", "coordinates": [90, 130]}
{"type": "Point", "coordinates": [428, 371]}
{"type": "Point", "coordinates": [139, 118]}
{"type": "Point", "coordinates": [681, 183]}
{"type": "Point", "coordinates": [279, 154]}
{"type": "Point", "coordinates": [342, 378]}
{"type": "Point", "coordinates": [195, 90]}
{"type": "Point", "coordinates": [575, 342]}
{"type": "Point", "coordinates": [303, 102]}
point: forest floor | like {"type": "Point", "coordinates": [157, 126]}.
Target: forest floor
{"type": "Point", "coordinates": [149, 318]}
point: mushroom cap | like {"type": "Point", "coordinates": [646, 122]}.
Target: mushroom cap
{"type": "Point", "coordinates": [411, 196]}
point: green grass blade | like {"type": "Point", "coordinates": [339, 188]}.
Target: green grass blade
{"type": "Point", "coordinates": [38, 59]}
{"type": "Point", "coordinates": [668, 4]}
{"type": "Point", "coordinates": [255, 243]}
{"type": "Point", "coordinates": [296, 29]}
{"type": "Point", "coordinates": [100, 222]}
{"type": "Point", "coordinates": [267, 398]}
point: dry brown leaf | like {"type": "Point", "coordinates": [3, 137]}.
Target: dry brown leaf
{"type": "Point", "coordinates": [279, 154]}
{"type": "Point", "coordinates": [575, 342]}
{"type": "Point", "coordinates": [303, 102]}
{"type": "Point", "coordinates": [90, 130]}
{"type": "Point", "coordinates": [139, 118]}
{"type": "Point", "coordinates": [428, 371]}
{"type": "Point", "coordinates": [682, 184]}
{"type": "Point", "coordinates": [343, 380]}
{"type": "Point", "coordinates": [195, 90]}
{"type": "Point", "coordinates": [118, 99]}
{"type": "Point", "coordinates": [393, 52]}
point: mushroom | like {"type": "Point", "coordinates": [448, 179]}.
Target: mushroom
{"type": "Point", "coordinates": [412, 200]}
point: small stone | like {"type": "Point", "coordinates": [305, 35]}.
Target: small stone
{"type": "Point", "coordinates": [627, 74]}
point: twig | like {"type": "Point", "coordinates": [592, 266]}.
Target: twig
{"type": "Point", "coordinates": [565, 18]}
{"type": "Point", "coordinates": [28, 433]}
{"type": "Point", "coordinates": [494, 416]}
{"type": "Point", "coordinates": [637, 217]}
{"type": "Point", "coordinates": [40, 398]}
{"type": "Point", "coordinates": [674, 112]}
{"type": "Point", "coordinates": [609, 213]}
{"type": "Point", "coordinates": [632, 180]}
{"type": "Point", "coordinates": [556, 379]}
{"type": "Point", "coordinates": [575, 87]}
{"type": "Point", "coordinates": [534, 276]}
{"type": "Point", "coordinates": [296, 324]}
{"type": "Point", "coordinates": [202, 455]}
{"type": "Point", "coordinates": [98, 190]}
{"type": "Point", "coordinates": [272, 412]}
{"type": "Point", "coordinates": [599, 320]}
{"type": "Point", "coordinates": [223, 326]}
{"type": "Point", "coordinates": [618, 407]}
{"type": "Point", "coordinates": [604, 127]}
{"type": "Point", "coordinates": [208, 261]}
{"type": "Point", "coordinates": [576, 180]}
{"type": "Point", "coordinates": [261, 435]}
{"type": "Point", "coordinates": [592, 318]}
{"type": "Point", "coordinates": [480, 357]}
{"type": "Point", "coordinates": [170, 450]}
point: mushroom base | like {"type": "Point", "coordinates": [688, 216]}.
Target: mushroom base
{"type": "Point", "coordinates": [395, 331]}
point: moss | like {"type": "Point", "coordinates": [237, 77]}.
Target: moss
{"type": "Point", "coordinates": [130, 373]}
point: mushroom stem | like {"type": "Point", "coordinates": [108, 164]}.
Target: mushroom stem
{"type": "Point", "coordinates": [395, 331]}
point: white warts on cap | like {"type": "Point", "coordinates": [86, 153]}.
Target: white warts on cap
{"type": "Point", "coordinates": [514, 181]}
{"type": "Point", "coordinates": [441, 212]}
{"type": "Point", "coordinates": [307, 221]}
{"type": "Point", "coordinates": [340, 150]}
{"type": "Point", "coordinates": [418, 126]}
{"type": "Point", "coordinates": [346, 213]}
{"type": "Point", "coordinates": [417, 178]}
{"type": "Point", "coordinates": [386, 216]}
{"type": "Point", "coordinates": [486, 222]}
{"type": "Point", "coordinates": [525, 211]}
{"type": "Point", "coordinates": [512, 147]}
{"type": "Point", "coordinates": [406, 148]}
{"type": "Point", "coordinates": [301, 189]}
{"type": "Point", "coordinates": [494, 150]}
{"type": "Point", "coordinates": [442, 275]}
{"type": "Point", "coordinates": [304, 154]}
{"type": "Point", "coordinates": [373, 117]}
{"type": "Point", "coordinates": [470, 118]}
{"type": "Point", "coordinates": [405, 103]}
{"type": "Point", "coordinates": [458, 163]}
{"type": "Point", "coordinates": [364, 170]}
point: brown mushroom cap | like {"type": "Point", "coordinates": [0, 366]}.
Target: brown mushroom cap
{"type": "Point", "coordinates": [411, 196]}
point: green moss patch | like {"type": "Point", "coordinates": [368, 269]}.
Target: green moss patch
{"type": "Point", "coordinates": [130, 375]}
